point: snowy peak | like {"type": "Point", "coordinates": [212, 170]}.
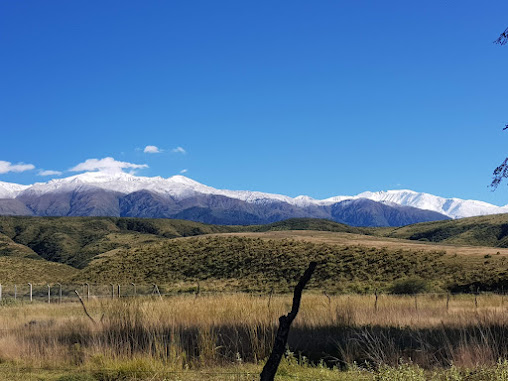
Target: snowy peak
{"type": "Point", "coordinates": [451, 207]}
{"type": "Point", "coordinates": [11, 190]}
{"type": "Point", "coordinates": [119, 182]}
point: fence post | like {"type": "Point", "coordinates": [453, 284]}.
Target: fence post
{"type": "Point", "coordinates": [447, 301]}
{"type": "Point", "coordinates": [49, 294]}
{"type": "Point", "coordinates": [156, 290]}
{"type": "Point", "coordinates": [87, 291]}
{"type": "Point", "coordinates": [416, 302]}
{"type": "Point", "coordinates": [112, 291]}
{"type": "Point", "coordinates": [15, 292]}
{"type": "Point", "coordinates": [134, 286]}
{"type": "Point", "coordinates": [375, 302]}
{"type": "Point", "coordinates": [59, 293]}
{"type": "Point", "coordinates": [324, 293]}
{"type": "Point", "coordinates": [118, 292]}
{"type": "Point", "coordinates": [0, 292]}
{"type": "Point", "coordinates": [31, 296]}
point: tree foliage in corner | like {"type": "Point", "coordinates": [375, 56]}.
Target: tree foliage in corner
{"type": "Point", "coordinates": [503, 38]}
{"type": "Point", "coordinates": [502, 170]}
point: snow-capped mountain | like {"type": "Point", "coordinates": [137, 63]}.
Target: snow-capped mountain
{"type": "Point", "coordinates": [178, 186]}
{"type": "Point", "coordinates": [451, 207]}
{"type": "Point", "coordinates": [121, 194]}
{"type": "Point", "coordinates": [11, 190]}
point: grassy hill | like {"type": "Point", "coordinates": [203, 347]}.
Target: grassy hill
{"type": "Point", "coordinates": [24, 270]}
{"type": "Point", "coordinates": [9, 248]}
{"type": "Point", "coordinates": [245, 263]}
{"type": "Point", "coordinates": [77, 240]}
{"type": "Point", "coordinates": [478, 231]}
{"type": "Point", "coordinates": [101, 249]}
{"type": "Point", "coordinates": [303, 224]}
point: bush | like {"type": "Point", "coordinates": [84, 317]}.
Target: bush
{"type": "Point", "coordinates": [410, 286]}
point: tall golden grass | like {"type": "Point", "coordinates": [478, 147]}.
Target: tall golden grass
{"type": "Point", "coordinates": [189, 332]}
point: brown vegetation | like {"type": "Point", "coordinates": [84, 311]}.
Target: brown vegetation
{"type": "Point", "coordinates": [185, 332]}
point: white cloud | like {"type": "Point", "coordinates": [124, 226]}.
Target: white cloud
{"type": "Point", "coordinates": [49, 172]}
{"type": "Point", "coordinates": [108, 164]}
{"type": "Point", "coordinates": [152, 149]}
{"type": "Point", "coordinates": [184, 171]}
{"type": "Point", "coordinates": [178, 150]}
{"type": "Point", "coordinates": [6, 167]}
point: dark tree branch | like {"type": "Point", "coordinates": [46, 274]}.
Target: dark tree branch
{"type": "Point", "coordinates": [502, 170]}
{"type": "Point", "coordinates": [270, 368]}
{"type": "Point", "coordinates": [503, 38]}
{"type": "Point", "coordinates": [84, 308]}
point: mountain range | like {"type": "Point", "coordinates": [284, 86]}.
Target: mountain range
{"type": "Point", "coordinates": [126, 195]}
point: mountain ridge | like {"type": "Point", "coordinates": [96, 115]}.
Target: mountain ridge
{"type": "Point", "coordinates": [122, 194]}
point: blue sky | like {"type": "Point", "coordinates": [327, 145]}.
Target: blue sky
{"type": "Point", "coordinates": [294, 97]}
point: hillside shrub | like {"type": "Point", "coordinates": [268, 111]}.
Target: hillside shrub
{"type": "Point", "coordinates": [410, 286]}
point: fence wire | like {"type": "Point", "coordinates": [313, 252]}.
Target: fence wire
{"type": "Point", "coordinates": [56, 292]}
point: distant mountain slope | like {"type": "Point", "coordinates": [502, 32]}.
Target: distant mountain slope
{"type": "Point", "coordinates": [364, 212]}
{"type": "Point", "coordinates": [120, 194]}
{"type": "Point", "coordinates": [451, 207]}
{"type": "Point", "coordinates": [14, 207]}
{"type": "Point", "coordinates": [483, 230]}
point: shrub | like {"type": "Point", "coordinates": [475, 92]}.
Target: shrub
{"type": "Point", "coordinates": [410, 286]}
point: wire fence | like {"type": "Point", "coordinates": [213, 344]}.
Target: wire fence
{"type": "Point", "coordinates": [62, 293]}
{"type": "Point", "coordinates": [58, 293]}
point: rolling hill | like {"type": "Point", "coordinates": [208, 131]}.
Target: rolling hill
{"type": "Point", "coordinates": [483, 231]}
{"type": "Point", "coordinates": [447, 254]}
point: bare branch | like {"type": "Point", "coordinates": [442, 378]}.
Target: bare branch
{"type": "Point", "coordinates": [499, 173]}
{"type": "Point", "coordinates": [270, 368]}
{"type": "Point", "coordinates": [503, 38]}
{"type": "Point", "coordinates": [84, 308]}
{"type": "Point", "coordinates": [502, 170]}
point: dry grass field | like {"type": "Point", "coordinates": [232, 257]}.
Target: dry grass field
{"type": "Point", "coordinates": [228, 337]}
